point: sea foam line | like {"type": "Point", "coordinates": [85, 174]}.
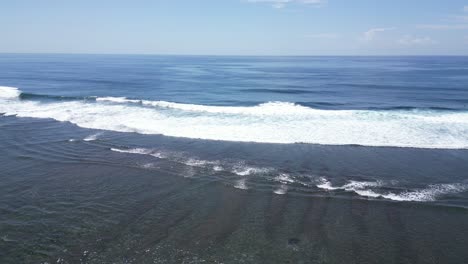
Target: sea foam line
{"type": "Point", "coordinates": [367, 189]}
{"type": "Point", "coordinates": [431, 193]}
{"type": "Point", "coordinates": [140, 151]}
{"type": "Point", "coordinates": [240, 169]}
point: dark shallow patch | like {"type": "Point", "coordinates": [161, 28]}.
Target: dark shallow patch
{"type": "Point", "coordinates": [293, 241]}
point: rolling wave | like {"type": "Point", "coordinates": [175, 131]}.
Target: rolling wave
{"type": "Point", "coordinates": [271, 122]}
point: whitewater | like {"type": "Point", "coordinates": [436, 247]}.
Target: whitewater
{"type": "Point", "coordinates": [270, 122]}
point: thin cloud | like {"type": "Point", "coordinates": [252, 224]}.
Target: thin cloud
{"type": "Point", "coordinates": [461, 18]}
{"type": "Point", "coordinates": [457, 22]}
{"type": "Point", "coordinates": [372, 33]}
{"type": "Point", "coordinates": [282, 3]}
{"type": "Point", "coordinates": [443, 26]}
{"type": "Point", "coordinates": [409, 40]}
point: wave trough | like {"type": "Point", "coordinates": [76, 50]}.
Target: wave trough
{"type": "Point", "coordinates": [271, 122]}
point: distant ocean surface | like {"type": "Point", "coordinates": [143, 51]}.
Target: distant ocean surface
{"type": "Point", "coordinates": [158, 153]}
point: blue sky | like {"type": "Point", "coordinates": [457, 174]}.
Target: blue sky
{"type": "Point", "coordinates": [236, 27]}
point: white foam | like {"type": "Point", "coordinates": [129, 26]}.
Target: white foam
{"type": "Point", "coordinates": [241, 184]}
{"type": "Point", "coordinates": [274, 122]}
{"type": "Point", "coordinates": [148, 166]}
{"type": "Point", "coordinates": [158, 155]}
{"type": "Point", "coordinates": [350, 186]}
{"type": "Point", "coordinates": [174, 157]}
{"type": "Point", "coordinates": [367, 193]}
{"type": "Point", "coordinates": [367, 189]}
{"type": "Point", "coordinates": [283, 189]}
{"type": "Point", "coordinates": [197, 162]}
{"type": "Point", "coordinates": [269, 108]}
{"type": "Point", "coordinates": [239, 169]}
{"type": "Point", "coordinates": [357, 185]}
{"type": "Point", "coordinates": [284, 178]}
{"type": "Point", "coordinates": [9, 92]}
{"type": "Point", "coordinates": [218, 168]}
{"type": "Point", "coordinates": [428, 194]}
{"type": "Point", "coordinates": [140, 151]}
{"type": "Point", "coordinates": [326, 185]}
{"type": "Point", "coordinates": [92, 137]}
{"type": "Point", "coordinates": [243, 170]}
{"type": "Point", "coordinates": [117, 99]}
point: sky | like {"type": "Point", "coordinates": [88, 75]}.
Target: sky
{"type": "Point", "coordinates": [235, 27]}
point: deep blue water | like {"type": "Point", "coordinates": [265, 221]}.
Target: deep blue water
{"type": "Point", "coordinates": [321, 82]}
{"type": "Point", "coordinates": [193, 159]}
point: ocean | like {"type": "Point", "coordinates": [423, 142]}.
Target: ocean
{"type": "Point", "coordinates": [231, 159]}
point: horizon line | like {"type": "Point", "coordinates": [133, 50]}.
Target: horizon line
{"type": "Point", "coordinates": [236, 55]}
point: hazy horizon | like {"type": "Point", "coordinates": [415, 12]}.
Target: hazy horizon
{"type": "Point", "coordinates": [236, 55]}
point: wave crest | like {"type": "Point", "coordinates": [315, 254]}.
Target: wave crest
{"type": "Point", "coordinates": [9, 92]}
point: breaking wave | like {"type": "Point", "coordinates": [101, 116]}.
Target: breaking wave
{"type": "Point", "coordinates": [370, 189]}
{"type": "Point", "coordinates": [271, 122]}
{"type": "Point", "coordinates": [9, 92]}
